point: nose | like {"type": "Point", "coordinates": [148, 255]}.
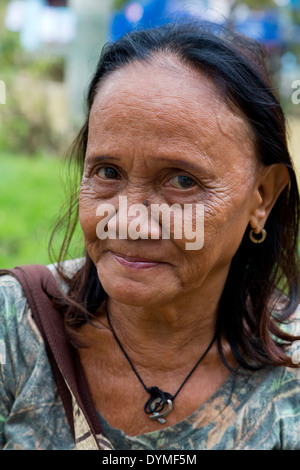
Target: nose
{"type": "Point", "coordinates": [134, 221]}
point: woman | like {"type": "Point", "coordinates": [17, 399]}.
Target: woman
{"type": "Point", "coordinates": [182, 348]}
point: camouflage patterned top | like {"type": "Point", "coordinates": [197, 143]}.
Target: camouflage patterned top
{"type": "Point", "coordinates": [251, 410]}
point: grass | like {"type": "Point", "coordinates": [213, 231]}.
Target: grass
{"type": "Point", "coordinates": [31, 197]}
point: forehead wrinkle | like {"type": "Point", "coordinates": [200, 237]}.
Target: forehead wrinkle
{"type": "Point", "coordinates": [171, 137]}
{"type": "Point", "coordinates": [156, 91]}
{"type": "Point", "coordinates": [168, 136]}
{"type": "Point", "coordinates": [169, 115]}
{"type": "Point", "coordinates": [167, 108]}
{"type": "Point", "coordinates": [156, 100]}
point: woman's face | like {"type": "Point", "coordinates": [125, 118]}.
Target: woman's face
{"type": "Point", "coordinates": [160, 132]}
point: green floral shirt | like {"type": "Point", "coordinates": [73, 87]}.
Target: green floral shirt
{"type": "Point", "coordinates": [251, 410]}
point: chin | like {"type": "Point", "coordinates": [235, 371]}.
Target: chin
{"type": "Point", "coordinates": [135, 287]}
{"type": "Point", "coordinates": [133, 292]}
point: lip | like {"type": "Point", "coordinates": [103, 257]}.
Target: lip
{"type": "Point", "coordinates": [135, 261]}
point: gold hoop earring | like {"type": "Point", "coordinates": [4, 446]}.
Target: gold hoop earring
{"type": "Point", "coordinates": [263, 234]}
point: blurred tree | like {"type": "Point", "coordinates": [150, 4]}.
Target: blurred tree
{"type": "Point", "coordinates": [118, 4]}
{"type": "Point", "coordinates": [253, 4]}
{"type": "Point", "coordinates": [11, 54]}
{"type": "Point", "coordinates": [25, 128]}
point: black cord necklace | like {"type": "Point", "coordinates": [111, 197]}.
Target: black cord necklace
{"type": "Point", "coordinates": [160, 403]}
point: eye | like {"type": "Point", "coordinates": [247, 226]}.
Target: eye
{"type": "Point", "coordinates": [182, 182]}
{"type": "Point", "coordinates": [108, 172]}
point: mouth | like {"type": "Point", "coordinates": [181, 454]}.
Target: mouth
{"type": "Point", "coordinates": [135, 262]}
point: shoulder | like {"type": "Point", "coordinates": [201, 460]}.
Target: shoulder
{"type": "Point", "coordinates": [67, 268]}
{"type": "Point", "coordinates": [13, 308]}
{"type": "Point", "coordinates": [282, 397]}
{"type": "Point", "coordinates": [19, 335]}
{"type": "Point", "coordinates": [267, 406]}
{"type": "Point", "coordinates": [294, 328]}
{"type": "Point", "coordinates": [292, 325]}
{"type": "Point", "coordinates": [11, 292]}
{"type": "Point", "coordinates": [266, 402]}
{"type": "Point", "coordinates": [22, 347]}
{"type": "Point", "coordinates": [31, 413]}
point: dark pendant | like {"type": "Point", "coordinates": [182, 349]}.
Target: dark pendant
{"type": "Point", "coordinates": [160, 415]}
{"type": "Point", "coordinates": [160, 404]}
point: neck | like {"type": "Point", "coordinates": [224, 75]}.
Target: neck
{"type": "Point", "coordinates": [165, 333]}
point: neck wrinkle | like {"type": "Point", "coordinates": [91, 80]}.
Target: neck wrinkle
{"type": "Point", "coordinates": [152, 340]}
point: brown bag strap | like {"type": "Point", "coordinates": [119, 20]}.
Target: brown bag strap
{"type": "Point", "coordinates": [40, 288]}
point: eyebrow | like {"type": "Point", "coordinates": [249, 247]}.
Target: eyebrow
{"type": "Point", "coordinates": [101, 158]}
{"type": "Point", "coordinates": [184, 163]}
{"type": "Point", "coordinates": [170, 161]}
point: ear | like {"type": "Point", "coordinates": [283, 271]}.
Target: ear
{"type": "Point", "coordinates": [272, 181]}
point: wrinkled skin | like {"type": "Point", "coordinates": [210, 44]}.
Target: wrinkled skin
{"type": "Point", "coordinates": [153, 123]}
{"type": "Point", "coordinates": [150, 125]}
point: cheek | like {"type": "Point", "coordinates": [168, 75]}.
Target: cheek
{"type": "Point", "coordinates": [87, 213]}
{"type": "Point", "coordinates": [226, 219]}
{"type": "Point", "coordinates": [224, 227]}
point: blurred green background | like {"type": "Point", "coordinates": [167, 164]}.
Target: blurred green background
{"type": "Point", "coordinates": [46, 71]}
